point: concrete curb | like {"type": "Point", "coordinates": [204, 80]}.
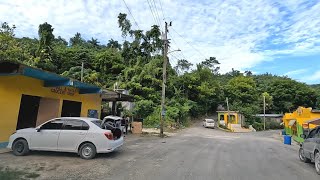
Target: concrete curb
{"type": "Point", "coordinates": [226, 130]}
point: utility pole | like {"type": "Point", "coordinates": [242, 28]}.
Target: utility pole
{"type": "Point", "coordinates": [228, 111]}
{"type": "Point", "coordinates": [264, 112]}
{"type": "Point", "coordinates": [164, 76]}
{"type": "Point", "coordinates": [82, 64]}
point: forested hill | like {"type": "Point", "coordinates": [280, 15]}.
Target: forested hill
{"type": "Point", "coordinates": [136, 64]}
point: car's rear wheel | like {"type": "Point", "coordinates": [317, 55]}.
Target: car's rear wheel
{"type": "Point", "coordinates": [317, 162]}
{"type": "Point", "coordinates": [302, 157]}
{"type": "Point", "coordinates": [87, 151]}
{"type": "Point", "coordinates": [20, 147]}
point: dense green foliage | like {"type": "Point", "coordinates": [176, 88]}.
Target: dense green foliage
{"type": "Point", "coordinates": [135, 63]}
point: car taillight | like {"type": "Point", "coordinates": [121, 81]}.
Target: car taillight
{"type": "Point", "coordinates": [109, 135]}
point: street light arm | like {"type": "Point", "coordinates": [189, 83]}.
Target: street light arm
{"type": "Point", "coordinates": [174, 51]}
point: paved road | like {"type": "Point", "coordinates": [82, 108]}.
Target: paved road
{"type": "Point", "coordinates": [195, 153]}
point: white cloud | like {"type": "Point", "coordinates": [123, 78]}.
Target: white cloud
{"type": "Point", "coordinates": [314, 78]}
{"type": "Point", "coordinates": [295, 72]}
{"type": "Point", "coordinates": [240, 33]}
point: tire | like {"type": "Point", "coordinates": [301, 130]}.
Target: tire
{"type": "Point", "coordinates": [317, 162]}
{"type": "Point", "coordinates": [302, 156]}
{"type": "Point", "coordinates": [20, 147]}
{"type": "Point", "coordinates": [87, 151]}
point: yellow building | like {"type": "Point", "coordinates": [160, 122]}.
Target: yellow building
{"type": "Point", "coordinates": [235, 117]}
{"type": "Point", "coordinates": [300, 121]}
{"type": "Point", "coordinates": [30, 96]}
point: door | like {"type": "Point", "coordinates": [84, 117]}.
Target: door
{"type": "Point", "coordinates": [71, 109]}
{"type": "Point", "coordinates": [28, 111]}
{"type": "Point", "coordinates": [308, 143]}
{"type": "Point", "coordinates": [72, 134]}
{"type": "Point", "coordinates": [47, 137]}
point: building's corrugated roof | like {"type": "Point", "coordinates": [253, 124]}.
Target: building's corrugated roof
{"type": "Point", "coordinates": [269, 115]}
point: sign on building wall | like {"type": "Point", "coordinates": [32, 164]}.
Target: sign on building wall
{"type": "Point", "coordinates": [92, 113]}
{"type": "Point", "coordinates": [64, 90]}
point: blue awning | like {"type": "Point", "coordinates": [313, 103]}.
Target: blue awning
{"type": "Point", "coordinates": [49, 79]}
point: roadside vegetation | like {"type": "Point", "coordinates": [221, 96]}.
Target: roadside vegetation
{"type": "Point", "coordinates": [135, 63]}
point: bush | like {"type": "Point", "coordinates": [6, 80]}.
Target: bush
{"type": "Point", "coordinates": [257, 126]}
{"type": "Point", "coordinates": [274, 125]}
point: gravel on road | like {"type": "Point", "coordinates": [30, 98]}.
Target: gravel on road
{"type": "Point", "coordinates": [193, 153]}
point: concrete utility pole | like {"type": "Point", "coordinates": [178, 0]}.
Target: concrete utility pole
{"type": "Point", "coordinates": [264, 112]}
{"type": "Point", "coordinates": [82, 64]}
{"type": "Point", "coordinates": [228, 110]}
{"type": "Point", "coordinates": [164, 76]}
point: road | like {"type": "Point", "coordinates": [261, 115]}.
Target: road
{"type": "Point", "coordinates": [194, 153]}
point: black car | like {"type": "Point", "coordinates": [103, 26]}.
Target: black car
{"type": "Point", "coordinates": [310, 148]}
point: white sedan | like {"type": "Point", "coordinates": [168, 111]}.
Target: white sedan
{"type": "Point", "coordinates": [85, 136]}
{"type": "Point", "coordinates": [208, 123]}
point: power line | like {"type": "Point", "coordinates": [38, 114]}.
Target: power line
{"type": "Point", "coordinates": [189, 43]}
{"type": "Point", "coordinates": [156, 12]}
{"type": "Point", "coordinates": [184, 57]}
{"type": "Point", "coordinates": [154, 18]}
{"type": "Point", "coordinates": [176, 44]}
{"type": "Point", "coordinates": [161, 9]}
{"type": "Point", "coordinates": [131, 14]}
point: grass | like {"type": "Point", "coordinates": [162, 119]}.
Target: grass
{"type": "Point", "coordinates": [14, 174]}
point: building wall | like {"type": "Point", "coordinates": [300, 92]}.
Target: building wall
{"type": "Point", "coordinates": [225, 115]}
{"type": "Point", "coordinates": [301, 115]}
{"type": "Point", "coordinates": [12, 88]}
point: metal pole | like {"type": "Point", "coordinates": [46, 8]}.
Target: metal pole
{"type": "Point", "coordinates": [228, 111]}
{"type": "Point", "coordinates": [264, 112]}
{"type": "Point", "coordinates": [82, 64]}
{"type": "Point", "coordinates": [164, 75]}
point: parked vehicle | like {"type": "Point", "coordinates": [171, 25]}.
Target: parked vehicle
{"type": "Point", "coordinates": [310, 148]}
{"type": "Point", "coordinates": [116, 120]}
{"type": "Point", "coordinates": [85, 136]}
{"type": "Point", "coordinates": [208, 123]}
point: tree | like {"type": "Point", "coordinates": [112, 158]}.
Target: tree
{"type": "Point", "coordinates": [114, 44]}
{"type": "Point", "coordinates": [46, 37]}
{"type": "Point", "coordinates": [243, 95]}
{"type": "Point", "coordinates": [182, 66]}
{"type": "Point", "coordinates": [211, 64]}
{"type": "Point", "coordinates": [94, 42]}
{"type": "Point", "coordinates": [288, 95]}
{"type": "Point", "coordinates": [268, 101]}
{"type": "Point", "coordinates": [9, 46]}
{"type": "Point", "coordinates": [77, 40]}
{"type": "Point", "coordinates": [124, 24]}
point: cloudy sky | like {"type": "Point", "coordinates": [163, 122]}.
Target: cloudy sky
{"type": "Point", "coordinates": [281, 37]}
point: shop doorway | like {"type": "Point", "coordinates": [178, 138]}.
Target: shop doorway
{"type": "Point", "coordinates": [71, 109]}
{"type": "Point", "coordinates": [48, 109]}
{"type": "Point", "coordinates": [28, 111]}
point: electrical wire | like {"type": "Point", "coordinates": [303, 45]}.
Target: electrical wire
{"type": "Point", "coordinates": [156, 13]}
{"type": "Point", "coordinates": [131, 14]}
{"type": "Point", "coordinates": [161, 9]}
{"type": "Point", "coordinates": [188, 43]}
{"type": "Point", "coordinates": [154, 17]}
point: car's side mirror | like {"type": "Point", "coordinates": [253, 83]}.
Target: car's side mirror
{"type": "Point", "coordinates": [38, 129]}
{"type": "Point", "coordinates": [303, 136]}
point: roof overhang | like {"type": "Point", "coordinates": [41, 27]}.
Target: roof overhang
{"type": "Point", "coordinates": [49, 79]}
{"type": "Point", "coordinates": [313, 121]}
{"type": "Point", "coordinates": [108, 95]}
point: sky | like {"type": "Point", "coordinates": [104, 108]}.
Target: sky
{"type": "Point", "coordinates": [279, 37]}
